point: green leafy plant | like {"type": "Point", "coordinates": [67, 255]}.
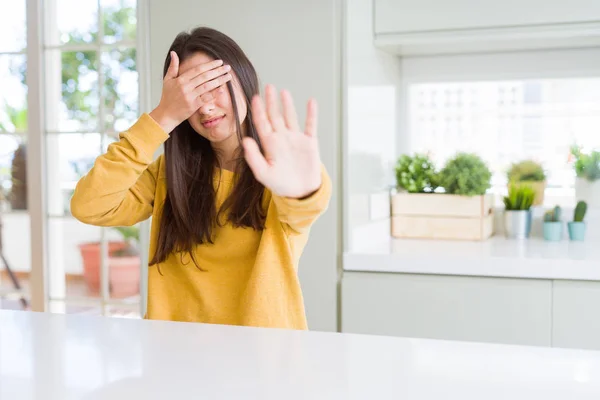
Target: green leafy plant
{"type": "Point", "coordinates": [526, 171]}
{"type": "Point", "coordinates": [519, 198]}
{"type": "Point", "coordinates": [586, 166]}
{"type": "Point", "coordinates": [465, 174]}
{"type": "Point", "coordinates": [416, 174]}
{"type": "Point", "coordinates": [553, 215]}
{"type": "Point", "coordinates": [580, 210]}
{"type": "Point", "coordinates": [131, 235]}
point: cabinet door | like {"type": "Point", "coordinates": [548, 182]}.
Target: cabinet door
{"type": "Point", "coordinates": [575, 320]}
{"type": "Point", "coordinates": [513, 311]}
{"type": "Point", "coordinates": [403, 16]}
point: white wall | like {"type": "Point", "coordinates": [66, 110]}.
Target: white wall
{"type": "Point", "coordinates": [296, 45]}
{"type": "Point", "coordinates": [371, 129]}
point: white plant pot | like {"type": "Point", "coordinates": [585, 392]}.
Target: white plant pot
{"type": "Point", "coordinates": [588, 192]}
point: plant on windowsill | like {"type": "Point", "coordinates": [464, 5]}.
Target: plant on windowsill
{"type": "Point", "coordinates": [553, 226]}
{"type": "Point", "coordinates": [529, 172]}
{"type": "Point", "coordinates": [517, 212]}
{"type": "Point", "coordinates": [461, 211]}
{"type": "Point", "coordinates": [577, 226]}
{"type": "Point", "coordinates": [587, 182]}
{"type": "Point", "coordinates": [123, 263]}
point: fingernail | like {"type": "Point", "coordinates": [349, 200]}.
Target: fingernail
{"type": "Point", "coordinates": [227, 67]}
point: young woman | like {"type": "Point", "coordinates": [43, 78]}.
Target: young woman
{"type": "Point", "coordinates": [232, 198]}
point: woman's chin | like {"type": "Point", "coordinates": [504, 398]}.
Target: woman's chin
{"type": "Point", "coordinates": [216, 136]}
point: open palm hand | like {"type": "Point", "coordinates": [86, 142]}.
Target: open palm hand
{"type": "Point", "coordinates": [290, 164]}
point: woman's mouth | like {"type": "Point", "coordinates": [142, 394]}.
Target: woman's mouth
{"type": "Point", "coordinates": [210, 123]}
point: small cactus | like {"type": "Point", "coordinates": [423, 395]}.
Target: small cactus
{"type": "Point", "coordinates": [557, 214]}
{"type": "Point", "coordinates": [580, 210]}
{"type": "Point", "coordinates": [553, 215]}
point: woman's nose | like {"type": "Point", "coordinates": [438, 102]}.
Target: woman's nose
{"type": "Point", "coordinates": [207, 107]}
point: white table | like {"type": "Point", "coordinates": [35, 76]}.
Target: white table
{"type": "Point", "coordinates": [51, 357]}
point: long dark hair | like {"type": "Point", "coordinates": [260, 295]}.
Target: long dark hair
{"type": "Point", "coordinates": [189, 214]}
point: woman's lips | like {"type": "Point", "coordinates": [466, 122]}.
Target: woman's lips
{"type": "Point", "coordinates": [210, 123]}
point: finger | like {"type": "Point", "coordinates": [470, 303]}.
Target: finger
{"type": "Point", "coordinates": [200, 69]}
{"type": "Point", "coordinates": [173, 69]}
{"type": "Point", "coordinates": [259, 118]}
{"type": "Point", "coordinates": [256, 161]}
{"type": "Point", "coordinates": [209, 75]}
{"type": "Point", "coordinates": [289, 111]}
{"type": "Point", "coordinates": [311, 118]}
{"type": "Point", "coordinates": [206, 97]}
{"type": "Point", "coordinates": [273, 109]}
{"type": "Point", "coordinates": [212, 85]}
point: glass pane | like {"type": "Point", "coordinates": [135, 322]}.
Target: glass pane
{"type": "Point", "coordinates": [15, 234]}
{"type": "Point", "coordinates": [69, 156]}
{"type": "Point", "coordinates": [119, 19]}
{"type": "Point", "coordinates": [13, 96]}
{"type": "Point", "coordinates": [124, 262]}
{"type": "Point", "coordinates": [13, 173]}
{"type": "Point", "coordinates": [120, 88]}
{"type": "Point", "coordinates": [508, 121]}
{"type": "Point", "coordinates": [13, 30]}
{"type": "Point", "coordinates": [15, 238]}
{"type": "Point", "coordinates": [72, 90]}
{"type": "Point", "coordinates": [71, 21]}
{"type": "Point", "coordinates": [74, 258]}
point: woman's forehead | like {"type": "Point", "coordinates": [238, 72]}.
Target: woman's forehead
{"type": "Point", "coordinates": [193, 61]}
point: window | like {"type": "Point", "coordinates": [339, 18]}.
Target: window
{"type": "Point", "coordinates": [91, 88]}
{"type": "Point", "coordinates": [14, 218]}
{"type": "Point", "coordinates": [87, 65]}
{"type": "Point", "coordinates": [505, 121]}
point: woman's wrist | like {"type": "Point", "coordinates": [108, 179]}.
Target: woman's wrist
{"type": "Point", "coordinates": [162, 119]}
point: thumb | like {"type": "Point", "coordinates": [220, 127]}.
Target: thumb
{"type": "Point", "coordinates": [173, 70]}
{"type": "Point", "coordinates": [256, 161]}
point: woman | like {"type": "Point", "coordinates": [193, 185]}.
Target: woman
{"type": "Point", "coordinates": [232, 199]}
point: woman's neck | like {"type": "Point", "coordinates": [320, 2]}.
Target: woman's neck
{"type": "Point", "coordinates": [227, 152]}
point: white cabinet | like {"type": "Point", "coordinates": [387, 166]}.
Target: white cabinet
{"type": "Point", "coordinates": [576, 314]}
{"type": "Point", "coordinates": [436, 27]}
{"type": "Point", "coordinates": [402, 16]}
{"type": "Point", "coordinates": [513, 311]}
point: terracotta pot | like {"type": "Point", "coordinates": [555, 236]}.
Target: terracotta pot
{"type": "Point", "coordinates": [124, 276]}
{"type": "Point", "coordinates": [124, 272]}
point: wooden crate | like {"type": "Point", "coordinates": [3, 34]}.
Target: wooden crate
{"type": "Point", "coordinates": [442, 216]}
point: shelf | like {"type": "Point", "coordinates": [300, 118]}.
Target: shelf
{"type": "Point", "coordinates": [497, 257]}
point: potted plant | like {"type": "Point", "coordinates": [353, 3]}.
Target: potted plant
{"type": "Point", "coordinates": [462, 211]}
{"type": "Point", "coordinates": [416, 174]}
{"type": "Point", "coordinates": [517, 213]}
{"type": "Point", "coordinates": [466, 174]}
{"type": "Point", "coordinates": [577, 226]}
{"type": "Point", "coordinates": [553, 226]}
{"type": "Point", "coordinates": [123, 264]}
{"type": "Point", "coordinates": [587, 181]}
{"type": "Point", "coordinates": [530, 173]}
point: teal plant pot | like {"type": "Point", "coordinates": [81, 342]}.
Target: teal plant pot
{"type": "Point", "coordinates": [553, 231]}
{"type": "Point", "coordinates": [577, 231]}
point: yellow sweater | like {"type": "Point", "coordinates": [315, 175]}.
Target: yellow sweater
{"type": "Point", "coordinates": [249, 278]}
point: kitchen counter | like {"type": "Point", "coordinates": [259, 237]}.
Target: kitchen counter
{"type": "Point", "coordinates": [496, 257]}
{"type": "Point", "coordinates": [51, 357]}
